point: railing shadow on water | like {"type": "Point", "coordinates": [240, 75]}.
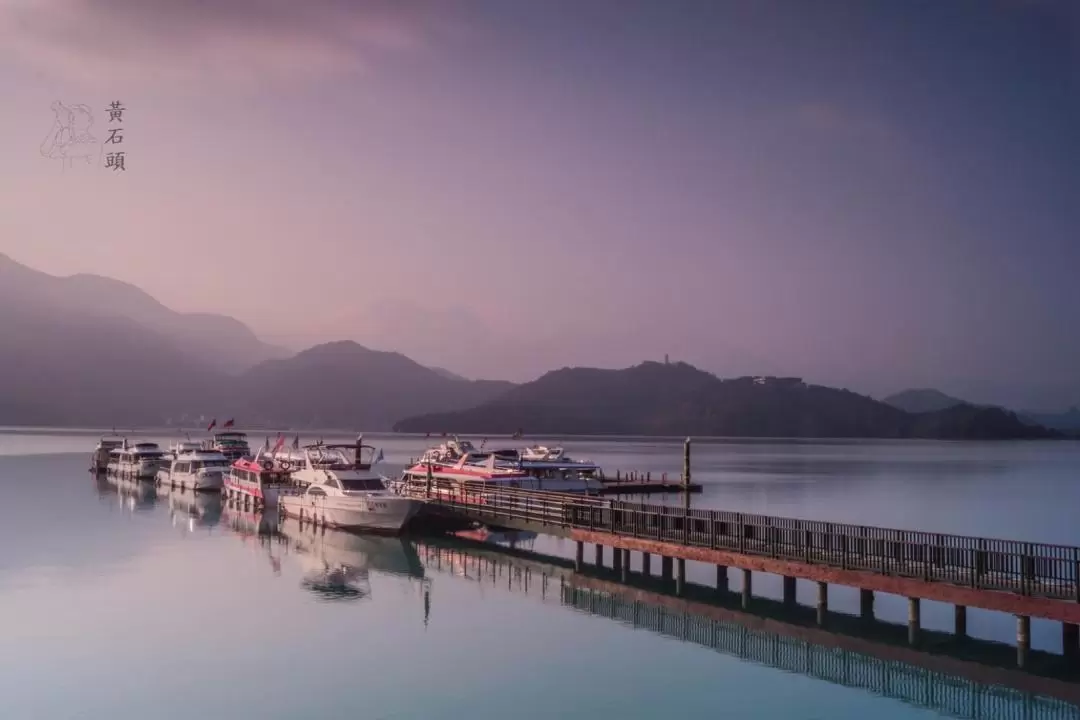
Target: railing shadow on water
{"type": "Point", "coordinates": [963, 678]}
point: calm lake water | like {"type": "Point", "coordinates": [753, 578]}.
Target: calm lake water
{"type": "Point", "coordinates": [121, 601]}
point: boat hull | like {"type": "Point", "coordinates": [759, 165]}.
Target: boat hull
{"type": "Point", "coordinates": [143, 470]}
{"type": "Point", "coordinates": [376, 514]}
{"type": "Point", "coordinates": [202, 482]}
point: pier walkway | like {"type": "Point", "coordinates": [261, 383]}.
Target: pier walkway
{"type": "Point", "coordinates": [1021, 578]}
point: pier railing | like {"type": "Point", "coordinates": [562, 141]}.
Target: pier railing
{"type": "Point", "coordinates": [1026, 568]}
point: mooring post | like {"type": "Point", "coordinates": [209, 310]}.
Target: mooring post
{"type": "Point", "coordinates": [645, 561]}
{"type": "Point", "coordinates": [960, 620]}
{"type": "Point", "coordinates": [625, 564]}
{"type": "Point", "coordinates": [665, 567]}
{"type": "Point", "coordinates": [789, 590]}
{"type": "Point", "coordinates": [914, 621]}
{"type": "Point", "coordinates": [747, 587]}
{"type": "Point", "coordinates": [866, 604]}
{"type": "Point", "coordinates": [579, 556]}
{"type": "Point", "coordinates": [686, 466]}
{"type": "Point", "coordinates": [721, 578]}
{"type": "Point", "coordinates": [616, 559]}
{"type": "Point", "coordinates": [599, 555]}
{"type": "Point", "coordinates": [1070, 640]}
{"type": "Point", "coordinates": [680, 576]}
{"type": "Point", "coordinates": [1023, 640]}
{"type": "Point", "coordinates": [822, 602]}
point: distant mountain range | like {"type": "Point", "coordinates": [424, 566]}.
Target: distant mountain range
{"type": "Point", "coordinates": [678, 399]}
{"type": "Point", "coordinates": [344, 384]}
{"type": "Point", "coordinates": [922, 400]}
{"type": "Point", "coordinates": [217, 341]}
{"type": "Point", "coordinates": [88, 350]}
{"type": "Point", "coordinates": [929, 400]}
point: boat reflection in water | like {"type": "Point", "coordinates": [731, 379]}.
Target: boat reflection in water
{"type": "Point", "coordinates": [336, 564]}
{"type": "Point", "coordinates": [130, 494]}
{"type": "Point", "coordinates": [191, 509]}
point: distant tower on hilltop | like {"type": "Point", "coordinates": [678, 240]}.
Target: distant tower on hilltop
{"type": "Point", "coordinates": [666, 361]}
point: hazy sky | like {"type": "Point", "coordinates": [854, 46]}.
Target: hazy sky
{"type": "Point", "coordinates": [869, 194]}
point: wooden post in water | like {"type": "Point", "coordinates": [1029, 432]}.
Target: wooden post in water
{"type": "Point", "coordinates": [686, 466]}
{"type": "Point", "coordinates": [914, 621]}
{"type": "Point", "coordinates": [1070, 635]}
{"type": "Point", "coordinates": [1023, 640]}
{"type": "Point", "coordinates": [866, 604]}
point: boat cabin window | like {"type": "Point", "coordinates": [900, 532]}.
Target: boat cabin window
{"type": "Point", "coordinates": [313, 490]}
{"type": "Point", "coordinates": [181, 467]}
{"type": "Point", "coordinates": [362, 484]}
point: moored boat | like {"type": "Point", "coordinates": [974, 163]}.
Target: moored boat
{"type": "Point", "coordinates": [99, 458]}
{"type": "Point", "coordinates": [184, 446]}
{"type": "Point", "coordinates": [341, 490]}
{"type": "Point", "coordinates": [141, 460]}
{"type": "Point", "coordinates": [196, 469]}
{"type": "Point", "coordinates": [232, 444]}
{"type": "Point", "coordinates": [543, 453]}
{"type": "Point", "coordinates": [487, 470]}
{"type": "Point", "coordinates": [260, 480]}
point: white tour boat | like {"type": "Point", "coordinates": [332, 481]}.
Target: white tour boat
{"type": "Point", "coordinates": [99, 458]}
{"type": "Point", "coordinates": [232, 444]}
{"type": "Point", "coordinates": [541, 453]}
{"type": "Point", "coordinates": [342, 491]}
{"type": "Point", "coordinates": [141, 460]}
{"type": "Point", "coordinates": [184, 446]}
{"type": "Point", "coordinates": [489, 470]}
{"type": "Point", "coordinates": [196, 469]}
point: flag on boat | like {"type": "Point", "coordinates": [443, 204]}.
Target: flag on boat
{"type": "Point", "coordinates": [280, 442]}
{"type": "Point", "coordinates": [212, 425]}
{"type": "Point", "coordinates": [379, 457]}
{"type": "Point", "coordinates": [296, 442]}
{"type": "Point", "coordinates": [228, 423]}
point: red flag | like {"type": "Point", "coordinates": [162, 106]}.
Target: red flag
{"type": "Point", "coordinates": [228, 423]}
{"type": "Point", "coordinates": [279, 444]}
{"type": "Point", "coordinates": [212, 425]}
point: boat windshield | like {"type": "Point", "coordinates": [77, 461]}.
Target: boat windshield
{"type": "Point", "coordinates": [197, 464]}
{"type": "Point", "coordinates": [362, 484]}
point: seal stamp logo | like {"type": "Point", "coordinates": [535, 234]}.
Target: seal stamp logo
{"type": "Point", "coordinates": [70, 137]}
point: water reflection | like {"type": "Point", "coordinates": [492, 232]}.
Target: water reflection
{"type": "Point", "coordinates": [190, 509]}
{"type": "Point", "coordinates": [971, 679]}
{"type": "Point", "coordinates": [131, 495]}
{"type": "Point", "coordinates": [336, 564]}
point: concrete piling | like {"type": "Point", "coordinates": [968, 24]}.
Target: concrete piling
{"type": "Point", "coordinates": [914, 620]}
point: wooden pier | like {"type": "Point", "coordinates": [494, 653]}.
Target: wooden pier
{"type": "Point", "coordinates": [1020, 578]}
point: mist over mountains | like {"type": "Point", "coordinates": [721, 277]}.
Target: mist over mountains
{"type": "Point", "coordinates": [90, 350]}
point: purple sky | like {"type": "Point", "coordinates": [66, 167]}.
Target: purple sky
{"type": "Point", "coordinates": [874, 195]}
